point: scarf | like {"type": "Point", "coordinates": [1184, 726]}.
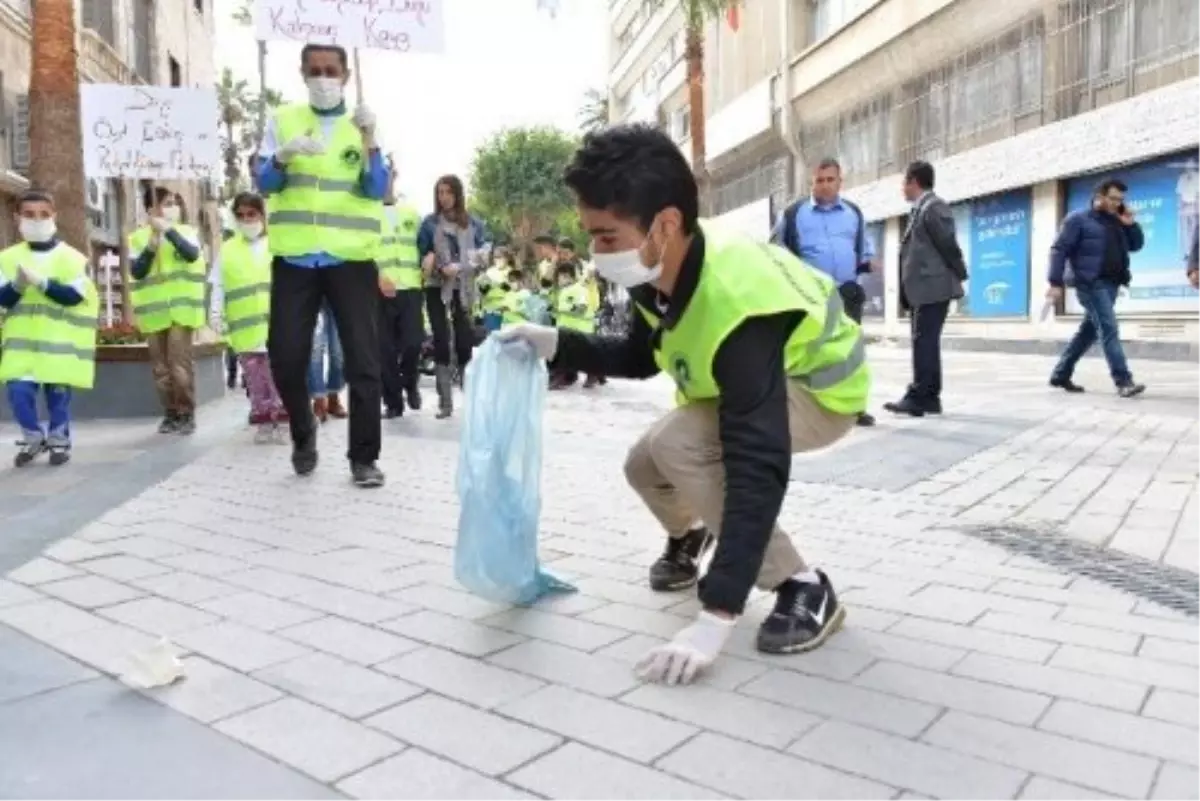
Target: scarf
{"type": "Point", "coordinates": [451, 244]}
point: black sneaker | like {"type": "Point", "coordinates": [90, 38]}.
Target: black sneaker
{"type": "Point", "coordinates": [679, 566]}
{"type": "Point", "coordinates": [169, 425]}
{"type": "Point", "coordinates": [28, 451]}
{"type": "Point", "coordinates": [1130, 390]}
{"type": "Point", "coordinates": [367, 476]}
{"type": "Point", "coordinates": [933, 406]}
{"type": "Point", "coordinates": [866, 420]}
{"type": "Point", "coordinates": [59, 456]}
{"type": "Point", "coordinates": [805, 614]}
{"type": "Point", "coordinates": [1066, 385]}
{"type": "Point", "coordinates": [186, 425]}
{"type": "Point", "coordinates": [304, 453]}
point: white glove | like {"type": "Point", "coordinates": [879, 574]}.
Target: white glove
{"type": "Point", "coordinates": [364, 119]}
{"type": "Point", "coordinates": [25, 279]}
{"type": "Point", "coordinates": [159, 225]}
{"type": "Point", "coordinates": [543, 338]}
{"type": "Point", "coordinates": [693, 649]}
{"type": "Point", "coordinates": [300, 146]}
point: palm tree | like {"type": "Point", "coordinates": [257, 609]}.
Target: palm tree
{"type": "Point", "coordinates": [234, 102]}
{"type": "Point", "coordinates": [593, 114]}
{"type": "Point", "coordinates": [696, 15]}
{"type": "Point", "coordinates": [55, 132]}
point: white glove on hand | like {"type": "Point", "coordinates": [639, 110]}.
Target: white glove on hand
{"type": "Point", "coordinates": [543, 338]}
{"type": "Point", "coordinates": [692, 650]}
{"type": "Point", "coordinates": [25, 279]}
{"type": "Point", "coordinates": [364, 119]}
{"type": "Point", "coordinates": [159, 225]}
{"type": "Point", "coordinates": [300, 146]}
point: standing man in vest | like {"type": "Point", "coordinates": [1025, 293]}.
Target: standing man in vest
{"type": "Point", "coordinates": [829, 233]}
{"type": "Point", "coordinates": [325, 179]}
{"type": "Point", "coordinates": [168, 304]}
{"type": "Point", "coordinates": [48, 343]}
{"type": "Point", "coordinates": [766, 364]}
{"type": "Point", "coordinates": [401, 326]}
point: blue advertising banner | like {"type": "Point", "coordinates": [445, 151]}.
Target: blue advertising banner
{"type": "Point", "coordinates": [993, 233]}
{"type": "Point", "coordinates": [1165, 197]}
{"type": "Point", "coordinates": [873, 282]}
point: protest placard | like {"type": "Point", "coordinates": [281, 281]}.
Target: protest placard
{"type": "Point", "coordinates": [153, 132]}
{"type": "Point", "coordinates": [402, 26]}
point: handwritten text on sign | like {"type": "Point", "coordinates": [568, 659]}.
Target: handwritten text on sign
{"type": "Point", "coordinates": [149, 132]}
{"type": "Point", "coordinates": [403, 26]}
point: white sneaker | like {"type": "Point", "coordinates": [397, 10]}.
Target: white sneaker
{"type": "Point", "coordinates": [264, 434]}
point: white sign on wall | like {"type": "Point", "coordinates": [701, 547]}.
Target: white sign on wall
{"type": "Point", "coordinates": [403, 26]}
{"type": "Point", "coordinates": [154, 132]}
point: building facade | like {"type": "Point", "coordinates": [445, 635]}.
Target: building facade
{"type": "Point", "coordinates": [1021, 107]}
{"type": "Point", "coordinates": [120, 41]}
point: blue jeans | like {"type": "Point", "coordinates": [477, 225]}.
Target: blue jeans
{"type": "Point", "coordinates": [1099, 322]}
{"type": "Point", "coordinates": [326, 343]}
{"type": "Point", "coordinates": [23, 399]}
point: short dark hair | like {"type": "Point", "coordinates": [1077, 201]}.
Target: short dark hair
{"type": "Point", "coordinates": [324, 48]}
{"type": "Point", "coordinates": [1104, 186]}
{"type": "Point", "coordinates": [920, 173]}
{"type": "Point", "coordinates": [829, 163]}
{"type": "Point", "coordinates": [34, 196]}
{"type": "Point", "coordinates": [565, 268]}
{"type": "Point", "coordinates": [545, 239]}
{"type": "Point", "coordinates": [634, 171]}
{"type": "Point", "coordinates": [566, 244]}
{"type": "Point", "coordinates": [154, 195]}
{"type": "Point", "coordinates": [515, 274]}
{"type": "Point", "coordinates": [251, 200]}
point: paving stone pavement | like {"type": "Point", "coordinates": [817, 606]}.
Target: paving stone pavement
{"type": "Point", "coordinates": [330, 652]}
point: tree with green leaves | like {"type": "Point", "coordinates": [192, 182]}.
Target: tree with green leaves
{"type": "Point", "coordinates": [240, 108]}
{"type": "Point", "coordinates": [516, 180]}
{"type": "Point", "coordinates": [593, 114]}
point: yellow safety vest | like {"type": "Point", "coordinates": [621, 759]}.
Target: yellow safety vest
{"type": "Point", "coordinates": [44, 341]}
{"type": "Point", "coordinates": [741, 279]}
{"type": "Point", "coordinates": [492, 297]}
{"type": "Point", "coordinates": [172, 293]}
{"type": "Point", "coordinates": [398, 259]}
{"type": "Point", "coordinates": [513, 310]}
{"type": "Point", "coordinates": [321, 208]}
{"type": "Point", "coordinates": [572, 309]}
{"type": "Point", "coordinates": [246, 282]}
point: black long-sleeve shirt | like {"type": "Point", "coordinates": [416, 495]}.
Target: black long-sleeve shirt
{"type": "Point", "coordinates": [752, 419]}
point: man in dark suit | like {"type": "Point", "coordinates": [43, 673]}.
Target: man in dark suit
{"type": "Point", "coordinates": [932, 272]}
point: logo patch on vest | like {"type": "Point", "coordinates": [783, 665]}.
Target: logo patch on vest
{"type": "Point", "coordinates": [351, 156]}
{"type": "Point", "coordinates": [680, 372]}
{"type": "Point", "coordinates": [409, 224]}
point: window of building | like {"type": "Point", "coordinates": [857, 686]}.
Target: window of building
{"type": "Point", "coordinates": [864, 139]}
{"type": "Point", "coordinates": [826, 17]}
{"type": "Point", "coordinates": [22, 7]}
{"type": "Point", "coordinates": [140, 39]}
{"type": "Point", "coordinates": [1164, 31]}
{"type": "Point", "coordinates": [175, 71]}
{"type": "Point", "coordinates": [637, 23]}
{"type": "Point", "coordinates": [99, 15]}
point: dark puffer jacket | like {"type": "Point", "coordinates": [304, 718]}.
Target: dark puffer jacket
{"type": "Point", "coordinates": [1081, 242]}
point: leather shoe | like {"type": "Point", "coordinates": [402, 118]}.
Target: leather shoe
{"type": "Point", "coordinates": [906, 405]}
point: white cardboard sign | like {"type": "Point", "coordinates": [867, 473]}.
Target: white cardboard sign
{"type": "Point", "coordinates": [149, 132]}
{"type": "Point", "coordinates": [402, 26]}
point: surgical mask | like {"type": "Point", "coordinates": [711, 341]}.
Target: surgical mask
{"type": "Point", "coordinates": [251, 230]}
{"type": "Point", "coordinates": [625, 269]}
{"type": "Point", "coordinates": [171, 213]}
{"type": "Point", "coordinates": [563, 283]}
{"type": "Point", "coordinates": [324, 93]}
{"type": "Point", "coordinates": [37, 231]}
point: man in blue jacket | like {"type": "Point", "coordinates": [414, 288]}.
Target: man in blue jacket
{"type": "Point", "coordinates": [1096, 243]}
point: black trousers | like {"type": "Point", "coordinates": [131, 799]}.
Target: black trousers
{"type": "Point", "coordinates": [440, 320]}
{"type": "Point", "coordinates": [926, 324]}
{"type": "Point", "coordinates": [296, 295]}
{"type": "Point", "coordinates": [401, 329]}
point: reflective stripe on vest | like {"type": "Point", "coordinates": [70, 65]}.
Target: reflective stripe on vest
{"type": "Point", "coordinates": [398, 259]}
{"type": "Point", "coordinates": [245, 274]}
{"type": "Point", "coordinates": [321, 208]}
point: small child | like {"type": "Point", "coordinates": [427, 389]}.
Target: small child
{"type": "Point", "coordinates": [573, 312]}
{"type": "Point", "coordinates": [49, 336]}
{"type": "Point", "coordinates": [241, 298]}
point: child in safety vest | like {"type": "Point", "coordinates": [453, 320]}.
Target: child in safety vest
{"type": "Point", "coordinates": [573, 312]}
{"type": "Point", "coordinates": [48, 343]}
{"type": "Point", "coordinates": [241, 305]}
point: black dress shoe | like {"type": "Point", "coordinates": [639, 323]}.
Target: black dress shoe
{"type": "Point", "coordinates": [907, 406]}
{"type": "Point", "coordinates": [304, 453]}
{"type": "Point", "coordinates": [1066, 385]}
{"type": "Point", "coordinates": [866, 420]}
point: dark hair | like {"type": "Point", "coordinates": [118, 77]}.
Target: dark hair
{"type": "Point", "coordinates": [545, 239]}
{"type": "Point", "coordinates": [565, 268]}
{"type": "Point", "coordinates": [324, 48]}
{"type": "Point", "coordinates": [829, 163]}
{"type": "Point", "coordinates": [34, 196]}
{"type": "Point", "coordinates": [455, 185]}
{"type": "Point", "coordinates": [634, 171]}
{"type": "Point", "coordinates": [566, 244]}
{"type": "Point", "coordinates": [920, 173]}
{"type": "Point", "coordinates": [250, 200]}
{"type": "Point", "coordinates": [515, 274]}
{"type": "Point", "coordinates": [1104, 186]}
{"type": "Point", "coordinates": [154, 195]}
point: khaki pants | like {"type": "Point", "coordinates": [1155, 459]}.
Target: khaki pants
{"type": "Point", "coordinates": [173, 369]}
{"type": "Point", "coordinates": [676, 468]}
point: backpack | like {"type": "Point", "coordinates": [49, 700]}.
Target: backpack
{"type": "Point", "coordinates": [790, 237]}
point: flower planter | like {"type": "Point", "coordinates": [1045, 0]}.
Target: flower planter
{"type": "Point", "coordinates": [125, 388]}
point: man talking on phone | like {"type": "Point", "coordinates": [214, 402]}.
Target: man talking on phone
{"type": "Point", "coordinates": [1095, 243]}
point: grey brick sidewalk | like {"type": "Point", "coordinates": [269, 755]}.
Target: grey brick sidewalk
{"type": "Point", "coordinates": [329, 650]}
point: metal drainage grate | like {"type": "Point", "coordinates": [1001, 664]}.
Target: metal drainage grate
{"type": "Point", "coordinates": [1162, 584]}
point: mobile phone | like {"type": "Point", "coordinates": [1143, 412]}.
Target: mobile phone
{"type": "Point", "coordinates": [1121, 209]}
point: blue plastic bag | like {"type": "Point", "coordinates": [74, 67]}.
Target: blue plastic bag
{"type": "Point", "coordinates": [500, 474]}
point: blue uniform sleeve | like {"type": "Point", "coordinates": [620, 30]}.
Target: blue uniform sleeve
{"type": "Point", "coordinates": [190, 251]}
{"type": "Point", "coordinates": [62, 294]}
{"type": "Point", "coordinates": [425, 237]}
{"type": "Point", "coordinates": [375, 176]}
{"type": "Point", "coordinates": [1063, 249]}
{"type": "Point", "coordinates": [9, 296]}
{"type": "Point", "coordinates": [142, 264]}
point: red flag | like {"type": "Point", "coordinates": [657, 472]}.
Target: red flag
{"type": "Point", "coordinates": [732, 17]}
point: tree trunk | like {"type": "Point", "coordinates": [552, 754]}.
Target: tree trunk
{"type": "Point", "coordinates": [55, 135]}
{"type": "Point", "coordinates": [694, 53]}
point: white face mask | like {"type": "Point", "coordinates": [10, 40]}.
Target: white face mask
{"type": "Point", "coordinates": [37, 231]}
{"type": "Point", "coordinates": [625, 269]}
{"type": "Point", "coordinates": [171, 213]}
{"type": "Point", "coordinates": [324, 93]}
{"type": "Point", "coordinates": [251, 230]}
